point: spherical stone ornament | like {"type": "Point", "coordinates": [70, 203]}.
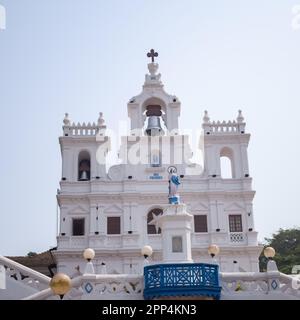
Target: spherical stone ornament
{"type": "Point", "coordinates": [147, 251]}
{"type": "Point", "coordinates": [88, 254]}
{"type": "Point", "coordinates": [213, 249]}
{"type": "Point", "coordinates": [269, 252]}
{"type": "Point", "coordinates": [60, 284]}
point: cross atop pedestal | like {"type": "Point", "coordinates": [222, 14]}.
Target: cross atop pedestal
{"type": "Point", "coordinates": [152, 54]}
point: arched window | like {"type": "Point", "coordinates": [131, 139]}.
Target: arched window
{"type": "Point", "coordinates": [226, 170]}
{"type": "Point", "coordinates": [151, 219]}
{"type": "Point", "coordinates": [227, 163]}
{"type": "Point", "coordinates": [84, 166]}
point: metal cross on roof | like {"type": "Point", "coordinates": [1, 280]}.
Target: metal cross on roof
{"type": "Point", "coordinates": [152, 54]}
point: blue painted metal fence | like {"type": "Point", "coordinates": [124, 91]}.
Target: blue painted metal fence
{"type": "Point", "coordinates": [182, 279]}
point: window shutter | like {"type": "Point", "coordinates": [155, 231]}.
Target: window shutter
{"type": "Point", "coordinates": [235, 223]}
{"type": "Point", "coordinates": [78, 227]}
{"type": "Point", "coordinates": [200, 223]}
{"type": "Point", "coordinates": [113, 225]}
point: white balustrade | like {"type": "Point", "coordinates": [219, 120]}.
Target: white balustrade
{"type": "Point", "coordinates": [200, 238]}
{"type": "Point", "coordinates": [90, 129]}
{"type": "Point", "coordinates": [78, 241]}
{"type": "Point", "coordinates": [237, 237]}
{"type": "Point", "coordinates": [235, 285]}
{"type": "Point", "coordinates": [99, 287]}
{"type": "Point", "coordinates": [229, 127]}
{"type": "Point", "coordinates": [122, 286]}
{"type": "Point", "coordinates": [24, 275]}
{"type": "Point", "coordinates": [255, 284]}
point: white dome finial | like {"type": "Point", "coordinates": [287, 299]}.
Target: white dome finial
{"type": "Point", "coordinates": [240, 117]}
{"type": "Point", "coordinates": [66, 120]}
{"type": "Point", "coordinates": [206, 117]}
{"type": "Point", "coordinates": [100, 119]}
{"type": "Point", "coordinates": [153, 67]}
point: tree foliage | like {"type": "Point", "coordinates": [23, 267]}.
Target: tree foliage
{"type": "Point", "coordinates": [286, 243]}
{"type": "Point", "coordinates": [31, 254]}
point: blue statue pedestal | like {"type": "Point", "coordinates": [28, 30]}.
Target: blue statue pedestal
{"type": "Point", "coordinates": [174, 200]}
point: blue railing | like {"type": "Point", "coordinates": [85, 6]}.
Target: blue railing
{"type": "Point", "coordinates": [182, 279]}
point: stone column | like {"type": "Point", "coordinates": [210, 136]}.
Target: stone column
{"type": "Point", "coordinates": [249, 216]}
{"type": "Point", "coordinates": [244, 154]}
{"type": "Point", "coordinates": [213, 215]}
{"type": "Point", "coordinates": [220, 215]}
{"type": "Point", "coordinates": [64, 221]}
{"type": "Point", "coordinates": [93, 221]}
{"type": "Point", "coordinates": [126, 218]}
{"type": "Point", "coordinates": [101, 220]}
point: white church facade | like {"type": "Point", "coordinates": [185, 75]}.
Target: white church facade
{"type": "Point", "coordinates": [114, 210]}
{"type": "Point", "coordinates": [156, 225]}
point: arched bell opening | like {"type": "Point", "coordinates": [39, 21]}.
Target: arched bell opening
{"type": "Point", "coordinates": [154, 120]}
{"type": "Point", "coordinates": [227, 163]}
{"type": "Point", "coordinates": [84, 166]}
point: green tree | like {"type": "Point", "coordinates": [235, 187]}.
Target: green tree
{"type": "Point", "coordinates": [31, 254]}
{"type": "Point", "coordinates": [286, 243]}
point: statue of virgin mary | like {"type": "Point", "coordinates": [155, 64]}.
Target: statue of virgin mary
{"type": "Point", "coordinates": [173, 186]}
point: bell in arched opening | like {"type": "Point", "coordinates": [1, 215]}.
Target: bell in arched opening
{"type": "Point", "coordinates": [84, 170]}
{"type": "Point", "coordinates": [83, 176]}
{"type": "Point", "coordinates": [154, 126]}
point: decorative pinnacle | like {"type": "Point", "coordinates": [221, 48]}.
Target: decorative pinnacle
{"type": "Point", "coordinates": [240, 117]}
{"type": "Point", "coordinates": [100, 119]}
{"type": "Point", "coordinates": [66, 120]}
{"type": "Point", "coordinates": [206, 117]}
{"type": "Point", "coordinates": [152, 54]}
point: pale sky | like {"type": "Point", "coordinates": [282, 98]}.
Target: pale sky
{"type": "Point", "coordinates": [83, 57]}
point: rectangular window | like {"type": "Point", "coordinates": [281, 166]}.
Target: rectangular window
{"type": "Point", "coordinates": [176, 244]}
{"type": "Point", "coordinates": [235, 223]}
{"type": "Point", "coordinates": [78, 227]}
{"type": "Point", "coordinates": [113, 225]}
{"type": "Point", "coordinates": [200, 223]}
